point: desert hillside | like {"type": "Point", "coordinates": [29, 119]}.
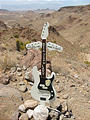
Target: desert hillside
{"type": "Point", "coordinates": [69, 28]}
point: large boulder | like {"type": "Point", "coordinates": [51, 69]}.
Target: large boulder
{"type": "Point", "coordinates": [10, 99]}
{"type": "Point", "coordinates": [33, 58]}
{"type": "Point", "coordinates": [3, 26]}
{"type": "Point", "coordinates": [5, 79]}
{"type": "Point", "coordinates": [40, 112]}
{"type": "Point", "coordinates": [30, 104]}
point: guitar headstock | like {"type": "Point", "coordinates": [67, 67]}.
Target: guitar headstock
{"type": "Point", "coordinates": [44, 34]}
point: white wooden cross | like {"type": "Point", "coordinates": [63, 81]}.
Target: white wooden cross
{"type": "Point", "coordinates": [50, 46]}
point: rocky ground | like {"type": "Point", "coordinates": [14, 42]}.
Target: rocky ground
{"type": "Point", "coordinates": [72, 66]}
{"type": "Point", "coordinates": [71, 83]}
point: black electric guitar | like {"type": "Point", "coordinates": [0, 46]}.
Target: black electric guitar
{"type": "Point", "coordinates": [43, 89]}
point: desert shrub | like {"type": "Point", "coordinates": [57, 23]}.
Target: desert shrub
{"type": "Point", "coordinates": [7, 61]}
{"type": "Point", "coordinates": [87, 63]}
{"type": "Point", "coordinates": [21, 45]}
{"type": "Point", "coordinates": [18, 45]}
{"type": "Point", "coordinates": [56, 69]}
{"type": "Point", "coordinates": [34, 39]}
{"type": "Point", "coordinates": [40, 49]}
{"type": "Point", "coordinates": [54, 41]}
{"type": "Point", "coordinates": [27, 42]}
{"type": "Point", "coordinates": [16, 35]}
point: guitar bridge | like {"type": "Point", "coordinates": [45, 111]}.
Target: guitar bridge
{"type": "Point", "coordinates": [41, 98]}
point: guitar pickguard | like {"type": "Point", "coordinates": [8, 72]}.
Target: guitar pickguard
{"type": "Point", "coordinates": [46, 84]}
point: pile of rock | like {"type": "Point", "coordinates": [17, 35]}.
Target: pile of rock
{"type": "Point", "coordinates": [21, 72]}
{"type": "Point", "coordinates": [60, 114]}
{"type": "Point", "coordinates": [31, 110]}
{"type": "Point", "coordinates": [26, 109]}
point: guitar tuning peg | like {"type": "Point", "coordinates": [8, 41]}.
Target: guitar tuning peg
{"type": "Point", "coordinates": [47, 24]}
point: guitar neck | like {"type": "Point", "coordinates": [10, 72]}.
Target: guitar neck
{"type": "Point", "coordinates": [43, 61]}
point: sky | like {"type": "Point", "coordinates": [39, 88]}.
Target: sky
{"type": "Point", "coordinates": [39, 4]}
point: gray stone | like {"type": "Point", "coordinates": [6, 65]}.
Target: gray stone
{"type": "Point", "coordinates": [40, 112]}
{"type": "Point", "coordinates": [19, 69]}
{"type": "Point", "coordinates": [30, 104]}
{"type": "Point", "coordinates": [68, 119]}
{"type": "Point", "coordinates": [30, 113]}
{"type": "Point", "coordinates": [15, 115]}
{"type": "Point", "coordinates": [65, 96]}
{"type": "Point", "coordinates": [27, 76]}
{"type": "Point", "coordinates": [55, 104]}
{"type": "Point", "coordinates": [54, 115]}
{"type": "Point", "coordinates": [57, 81]}
{"type": "Point", "coordinates": [17, 65]}
{"type": "Point", "coordinates": [13, 70]}
{"type": "Point", "coordinates": [19, 73]}
{"type": "Point", "coordinates": [67, 113]}
{"type": "Point", "coordinates": [22, 108]}
{"type": "Point", "coordinates": [22, 86]}
{"type": "Point", "coordinates": [5, 79]}
{"type": "Point", "coordinates": [32, 58]}
{"type": "Point", "coordinates": [58, 89]}
{"type": "Point", "coordinates": [61, 117]}
{"type": "Point", "coordinates": [73, 85]}
{"type": "Point", "coordinates": [24, 68]}
{"type": "Point", "coordinates": [72, 117]}
{"type": "Point", "coordinates": [13, 77]}
{"type": "Point", "coordinates": [88, 84]}
{"type": "Point", "coordinates": [76, 76]}
{"type": "Point", "coordinates": [66, 107]}
{"type": "Point", "coordinates": [24, 116]}
{"type": "Point", "coordinates": [31, 83]}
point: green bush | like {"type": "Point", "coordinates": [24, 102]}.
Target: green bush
{"type": "Point", "coordinates": [21, 45]}
{"type": "Point", "coordinates": [86, 62]}
{"type": "Point", "coordinates": [16, 35]}
{"type": "Point", "coordinates": [54, 41]}
{"type": "Point", "coordinates": [18, 45]}
{"type": "Point", "coordinates": [27, 42]}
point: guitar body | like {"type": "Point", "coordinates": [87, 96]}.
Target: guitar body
{"type": "Point", "coordinates": [46, 84]}
{"type": "Point", "coordinates": [43, 91]}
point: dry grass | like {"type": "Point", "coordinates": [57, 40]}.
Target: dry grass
{"type": "Point", "coordinates": [8, 60]}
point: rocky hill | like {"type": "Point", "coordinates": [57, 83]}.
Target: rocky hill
{"type": "Point", "coordinates": [73, 23]}
{"type": "Point", "coordinates": [70, 28]}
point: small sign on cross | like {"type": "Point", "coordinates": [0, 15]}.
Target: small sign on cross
{"type": "Point", "coordinates": [49, 46]}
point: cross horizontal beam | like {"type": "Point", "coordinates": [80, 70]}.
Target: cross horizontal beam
{"type": "Point", "coordinates": [49, 45]}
